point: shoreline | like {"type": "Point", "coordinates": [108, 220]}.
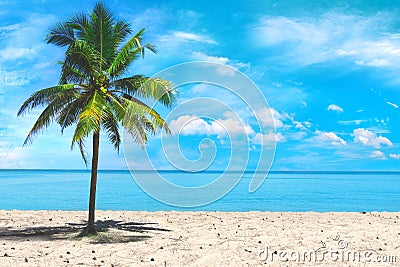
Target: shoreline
{"type": "Point", "coordinates": [197, 238]}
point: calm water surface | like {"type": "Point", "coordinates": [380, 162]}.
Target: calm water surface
{"type": "Point", "coordinates": [281, 191]}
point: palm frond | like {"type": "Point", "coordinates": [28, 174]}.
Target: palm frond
{"type": "Point", "coordinates": [82, 150]}
{"type": "Point", "coordinates": [110, 124]}
{"type": "Point", "coordinates": [60, 35]}
{"type": "Point", "coordinates": [79, 23]}
{"type": "Point", "coordinates": [136, 108]}
{"type": "Point", "coordinates": [100, 33]}
{"type": "Point", "coordinates": [129, 85]}
{"type": "Point", "coordinates": [158, 89]}
{"type": "Point", "coordinates": [90, 118]}
{"type": "Point", "coordinates": [101, 12]}
{"type": "Point", "coordinates": [121, 31]}
{"type": "Point", "coordinates": [70, 114]}
{"type": "Point", "coordinates": [134, 127]}
{"type": "Point", "coordinates": [127, 54]}
{"type": "Point", "coordinates": [118, 106]}
{"type": "Point", "coordinates": [151, 47]}
{"type": "Point", "coordinates": [45, 96]}
{"type": "Point", "coordinates": [70, 74]}
{"type": "Point", "coordinates": [49, 113]}
{"type": "Point", "coordinates": [83, 58]}
{"type": "Point", "coordinates": [155, 88]}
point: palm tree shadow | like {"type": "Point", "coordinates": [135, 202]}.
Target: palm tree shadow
{"type": "Point", "coordinates": [108, 231]}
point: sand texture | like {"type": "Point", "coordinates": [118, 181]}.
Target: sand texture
{"type": "Point", "coordinates": [136, 238]}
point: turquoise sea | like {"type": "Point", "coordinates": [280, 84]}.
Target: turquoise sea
{"type": "Point", "coordinates": [281, 191]}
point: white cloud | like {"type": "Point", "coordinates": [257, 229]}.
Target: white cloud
{"type": "Point", "coordinates": [379, 155]}
{"type": "Point", "coordinates": [369, 138]}
{"type": "Point", "coordinates": [270, 117]}
{"type": "Point", "coordinates": [15, 157]}
{"type": "Point", "coordinates": [182, 45]}
{"type": "Point", "coordinates": [193, 37]}
{"type": "Point", "coordinates": [17, 78]}
{"type": "Point", "coordinates": [334, 107]}
{"type": "Point", "coordinates": [277, 30]}
{"type": "Point", "coordinates": [380, 53]}
{"type": "Point", "coordinates": [25, 40]}
{"type": "Point", "coordinates": [194, 125]}
{"type": "Point", "coordinates": [204, 57]}
{"type": "Point", "coordinates": [7, 29]}
{"type": "Point", "coordinates": [184, 37]}
{"type": "Point", "coordinates": [395, 156]}
{"type": "Point", "coordinates": [350, 122]}
{"type": "Point", "coordinates": [296, 135]}
{"type": "Point", "coordinates": [23, 51]}
{"type": "Point", "coordinates": [201, 88]}
{"type": "Point", "coordinates": [12, 53]}
{"type": "Point", "coordinates": [300, 125]}
{"type": "Point", "coordinates": [43, 65]}
{"type": "Point", "coordinates": [374, 63]}
{"type": "Point", "coordinates": [235, 127]}
{"type": "Point", "coordinates": [330, 137]}
{"type": "Point", "coordinates": [392, 104]}
{"type": "Point", "coordinates": [333, 35]}
{"type": "Point", "coordinates": [378, 130]}
{"type": "Point", "coordinates": [277, 84]}
{"type": "Point", "coordinates": [267, 139]}
{"type": "Point", "coordinates": [225, 71]}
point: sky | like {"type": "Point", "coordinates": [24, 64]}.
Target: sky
{"type": "Point", "coordinates": [328, 69]}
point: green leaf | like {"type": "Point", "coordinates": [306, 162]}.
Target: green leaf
{"type": "Point", "coordinates": [155, 88]}
{"type": "Point", "coordinates": [49, 113]}
{"type": "Point", "coordinates": [128, 53]}
{"type": "Point", "coordinates": [70, 114]}
{"type": "Point", "coordinates": [110, 124]}
{"type": "Point", "coordinates": [79, 23]}
{"type": "Point", "coordinates": [90, 118]}
{"type": "Point", "coordinates": [70, 74]}
{"type": "Point", "coordinates": [45, 96]}
{"type": "Point", "coordinates": [137, 109]}
{"type": "Point", "coordinates": [60, 35]}
{"type": "Point", "coordinates": [82, 150]}
{"type": "Point", "coordinates": [83, 58]}
{"type": "Point", "coordinates": [121, 31]}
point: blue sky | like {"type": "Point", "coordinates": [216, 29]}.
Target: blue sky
{"type": "Point", "coordinates": [329, 70]}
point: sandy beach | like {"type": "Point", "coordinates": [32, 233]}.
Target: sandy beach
{"type": "Point", "coordinates": [131, 238]}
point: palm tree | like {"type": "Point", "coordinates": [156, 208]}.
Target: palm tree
{"type": "Point", "coordinates": [91, 95]}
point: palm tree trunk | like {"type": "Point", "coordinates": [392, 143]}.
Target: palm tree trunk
{"type": "Point", "coordinates": [93, 182]}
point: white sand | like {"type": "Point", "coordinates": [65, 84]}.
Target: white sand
{"type": "Point", "coordinates": [46, 238]}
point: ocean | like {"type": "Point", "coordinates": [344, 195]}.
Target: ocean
{"type": "Point", "coordinates": [281, 191]}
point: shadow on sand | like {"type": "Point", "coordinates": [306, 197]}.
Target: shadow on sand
{"type": "Point", "coordinates": [108, 231]}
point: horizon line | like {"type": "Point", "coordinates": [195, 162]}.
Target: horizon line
{"type": "Point", "coordinates": [245, 171]}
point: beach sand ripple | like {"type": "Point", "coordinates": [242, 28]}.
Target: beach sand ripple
{"type": "Point", "coordinates": [138, 238]}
